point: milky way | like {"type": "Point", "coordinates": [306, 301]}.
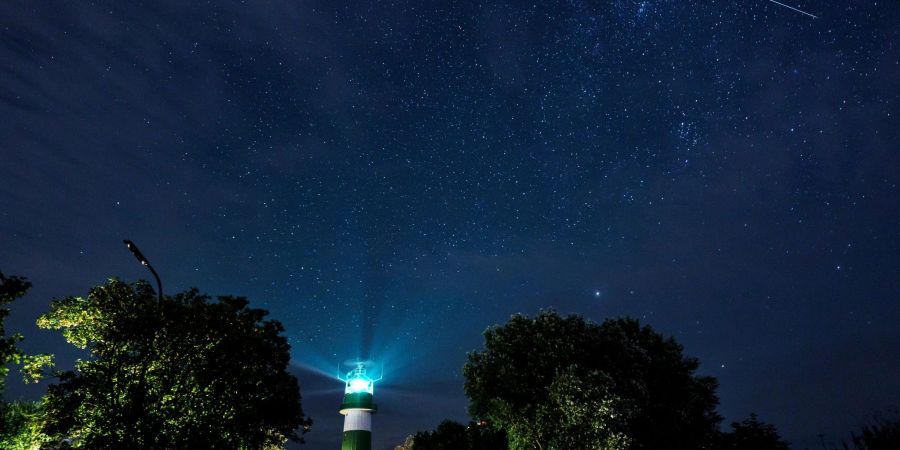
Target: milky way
{"type": "Point", "coordinates": [390, 178]}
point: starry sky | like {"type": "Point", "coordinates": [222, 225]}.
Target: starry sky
{"type": "Point", "coordinates": [391, 178]}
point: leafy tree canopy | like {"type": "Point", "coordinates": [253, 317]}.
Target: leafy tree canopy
{"type": "Point", "coordinates": [11, 288]}
{"type": "Point", "coordinates": [450, 435]}
{"type": "Point", "coordinates": [644, 391]}
{"type": "Point", "coordinates": [882, 434]}
{"type": "Point", "coordinates": [752, 434]}
{"type": "Point", "coordinates": [191, 373]}
{"type": "Point", "coordinates": [16, 428]}
{"type": "Point", "coordinates": [22, 427]}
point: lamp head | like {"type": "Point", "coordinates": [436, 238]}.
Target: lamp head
{"type": "Point", "coordinates": [134, 251]}
{"type": "Point", "coordinates": [358, 381]}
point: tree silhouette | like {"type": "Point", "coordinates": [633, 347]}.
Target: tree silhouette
{"type": "Point", "coordinates": [185, 374]}
{"type": "Point", "coordinates": [15, 418]}
{"type": "Point", "coordinates": [752, 434]}
{"type": "Point", "coordinates": [450, 435]}
{"type": "Point", "coordinates": [643, 388]}
{"type": "Point", "coordinates": [11, 288]}
{"type": "Point", "coordinates": [882, 434]}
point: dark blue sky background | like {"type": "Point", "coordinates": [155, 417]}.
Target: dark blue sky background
{"type": "Point", "coordinates": [390, 178]}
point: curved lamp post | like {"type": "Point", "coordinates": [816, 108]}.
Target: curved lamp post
{"type": "Point", "coordinates": [141, 401]}
{"type": "Point", "coordinates": [143, 260]}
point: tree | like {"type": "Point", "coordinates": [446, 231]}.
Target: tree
{"type": "Point", "coordinates": [644, 387]}
{"type": "Point", "coordinates": [408, 444]}
{"type": "Point", "coordinates": [189, 373]}
{"type": "Point", "coordinates": [752, 434]}
{"type": "Point", "coordinates": [882, 434]}
{"type": "Point", "coordinates": [16, 419]}
{"type": "Point", "coordinates": [11, 288]}
{"type": "Point", "coordinates": [583, 413]}
{"type": "Point", "coordinates": [20, 420]}
{"type": "Point", "coordinates": [483, 437]}
{"type": "Point", "coordinates": [450, 435]}
{"type": "Point", "coordinates": [23, 421]}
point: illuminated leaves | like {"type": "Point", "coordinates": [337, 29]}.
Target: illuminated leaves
{"type": "Point", "coordinates": [555, 382]}
{"type": "Point", "coordinates": [33, 366]}
{"type": "Point", "coordinates": [583, 413]}
{"type": "Point", "coordinates": [11, 288]}
{"type": "Point", "coordinates": [191, 372]}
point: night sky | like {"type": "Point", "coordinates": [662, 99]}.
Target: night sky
{"type": "Point", "coordinates": [391, 178]}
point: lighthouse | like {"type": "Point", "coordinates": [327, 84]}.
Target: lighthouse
{"type": "Point", "coordinates": [357, 408]}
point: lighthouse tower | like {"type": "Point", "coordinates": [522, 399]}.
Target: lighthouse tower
{"type": "Point", "coordinates": [357, 408]}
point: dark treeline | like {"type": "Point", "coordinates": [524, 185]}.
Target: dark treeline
{"type": "Point", "coordinates": [179, 372]}
{"type": "Point", "coordinates": [551, 382]}
{"type": "Point", "coordinates": [192, 372]}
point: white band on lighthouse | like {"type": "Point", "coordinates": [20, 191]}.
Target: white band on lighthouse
{"type": "Point", "coordinates": [358, 419]}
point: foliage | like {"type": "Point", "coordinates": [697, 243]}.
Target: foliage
{"type": "Point", "coordinates": [450, 435]}
{"type": "Point", "coordinates": [34, 366]}
{"type": "Point", "coordinates": [188, 373]}
{"type": "Point", "coordinates": [24, 422]}
{"type": "Point", "coordinates": [644, 387]}
{"type": "Point", "coordinates": [582, 412]}
{"type": "Point", "coordinates": [408, 444]}
{"type": "Point", "coordinates": [752, 434]}
{"type": "Point", "coordinates": [11, 288]}
{"type": "Point", "coordinates": [882, 434]}
{"type": "Point", "coordinates": [16, 419]}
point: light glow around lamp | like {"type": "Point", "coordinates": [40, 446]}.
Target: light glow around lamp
{"type": "Point", "coordinates": [358, 381]}
{"type": "Point", "coordinates": [358, 385]}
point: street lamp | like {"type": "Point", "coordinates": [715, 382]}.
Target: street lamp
{"type": "Point", "coordinates": [151, 348]}
{"type": "Point", "coordinates": [143, 260]}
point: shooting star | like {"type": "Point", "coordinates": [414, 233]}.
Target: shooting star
{"type": "Point", "coordinates": [795, 9]}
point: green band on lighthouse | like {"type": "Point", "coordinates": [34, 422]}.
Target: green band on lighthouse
{"type": "Point", "coordinates": [358, 400]}
{"type": "Point", "coordinates": [357, 440]}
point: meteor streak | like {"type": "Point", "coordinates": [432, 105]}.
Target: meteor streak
{"type": "Point", "coordinates": [795, 9]}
